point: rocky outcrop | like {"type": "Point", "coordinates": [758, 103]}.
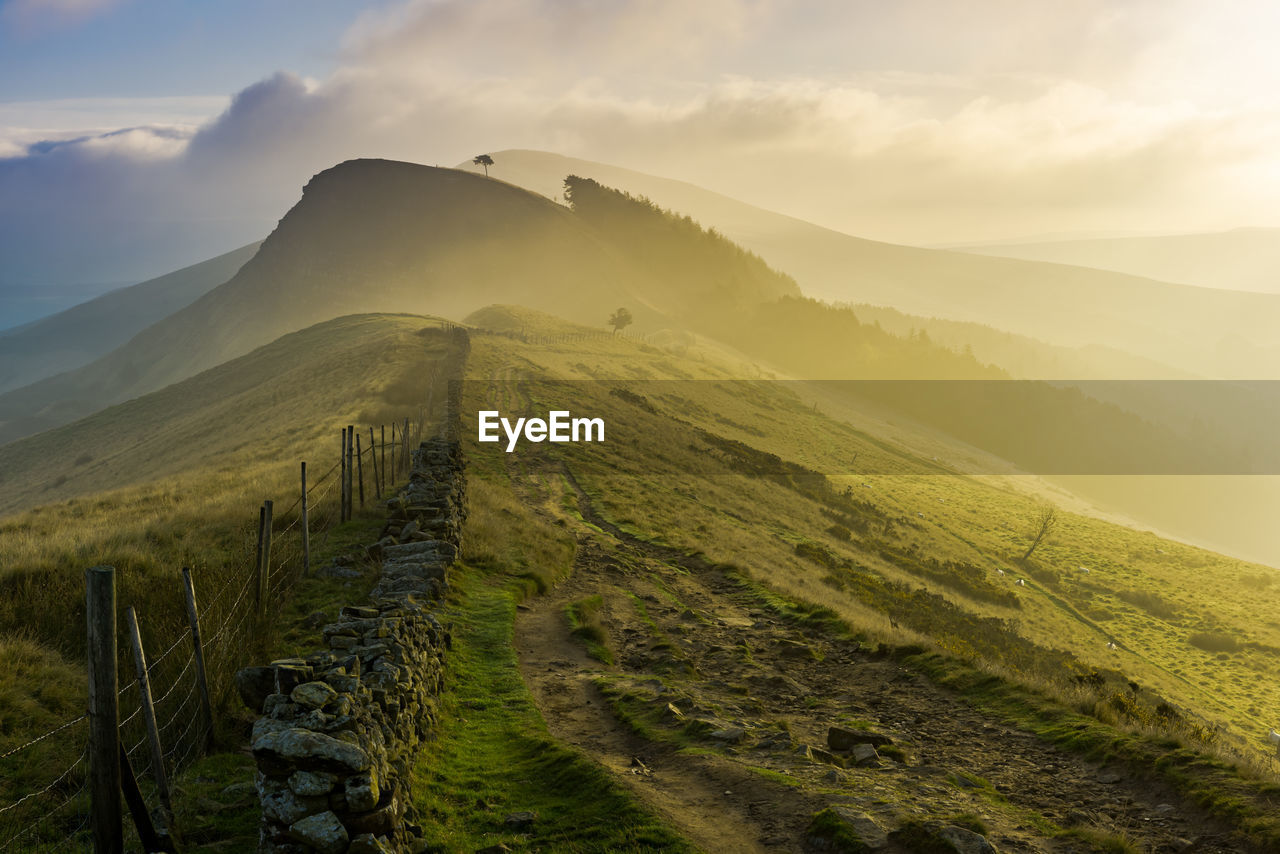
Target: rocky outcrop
{"type": "Point", "coordinates": [340, 728]}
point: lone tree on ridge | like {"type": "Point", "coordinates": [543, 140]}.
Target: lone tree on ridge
{"type": "Point", "coordinates": [1046, 519]}
{"type": "Point", "coordinates": [483, 160]}
{"type": "Point", "coordinates": [620, 319]}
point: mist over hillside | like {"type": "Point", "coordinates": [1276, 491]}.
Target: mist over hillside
{"type": "Point", "coordinates": [1202, 331]}
{"type": "Point", "coordinates": [374, 235]}
{"type": "Point", "coordinates": [366, 236]}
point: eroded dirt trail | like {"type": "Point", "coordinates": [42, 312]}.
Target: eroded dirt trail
{"type": "Point", "coordinates": [716, 803]}
{"type": "Point", "coordinates": [727, 706]}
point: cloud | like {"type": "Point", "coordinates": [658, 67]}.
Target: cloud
{"type": "Point", "coordinates": [946, 126]}
{"type": "Point", "coordinates": [33, 17]}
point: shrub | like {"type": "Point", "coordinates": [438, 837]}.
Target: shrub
{"type": "Point", "coordinates": [840, 532]}
{"type": "Point", "coordinates": [1214, 642]}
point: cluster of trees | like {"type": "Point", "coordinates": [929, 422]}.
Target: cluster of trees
{"type": "Point", "coordinates": [693, 272]}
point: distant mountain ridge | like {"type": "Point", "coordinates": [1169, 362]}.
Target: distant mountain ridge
{"type": "Point", "coordinates": [78, 335]}
{"type": "Point", "coordinates": [1201, 331]}
{"type": "Point", "coordinates": [367, 236]}
{"type": "Point", "coordinates": [1243, 259]}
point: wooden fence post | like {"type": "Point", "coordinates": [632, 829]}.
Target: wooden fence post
{"type": "Point", "coordinates": [149, 712]}
{"type": "Point", "coordinates": [104, 712]}
{"type": "Point", "coordinates": [404, 437]}
{"type": "Point", "coordinates": [394, 470]}
{"type": "Point", "coordinates": [386, 483]}
{"type": "Point", "coordinates": [342, 481]}
{"type": "Point", "coordinates": [259, 600]}
{"type": "Point", "coordinates": [267, 507]}
{"type": "Point", "coordinates": [351, 474]}
{"type": "Point", "coordinates": [202, 681]}
{"type": "Point", "coordinates": [306, 530]}
{"type": "Point", "coordinates": [147, 835]}
{"type": "Point", "coordinates": [360, 469]}
{"type": "Point", "coordinates": [373, 458]}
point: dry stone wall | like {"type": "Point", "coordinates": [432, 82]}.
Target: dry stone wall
{"type": "Point", "coordinates": [340, 728]}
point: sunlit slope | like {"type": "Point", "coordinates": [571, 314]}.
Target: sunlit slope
{"type": "Point", "coordinates": [1199, 330]}
{"type": "Point", "coordinates": [74, 337]}
{"type": "Point", "coordinates": [1243, 259]}
{"type": "Point", "coordinates": [733, 471]}
{"type": "Point", "coordinates": [256, 410]}
{"type": "Point", "coordinates": [367, 236]}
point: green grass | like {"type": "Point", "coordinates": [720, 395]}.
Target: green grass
{"type": "Point", "coordinates": [216, 805]}
{"type": "Point", "coordinates": [968, 821]}
{"type": "Point", "coordinates": [493, 755]}
{"type": "Point", "coordinates": [585, 624]}
{"type": "Point", "coordinates": [835, 834]}
{"type": "Point", "coordinates": [292, 635]}
{"type": "Point", "coordinates": [779, 777]}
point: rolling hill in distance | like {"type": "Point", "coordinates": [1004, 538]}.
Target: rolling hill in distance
{"type": "Point", "coordinates": [367, 236]}
{"type": "Point", "coordinates": [287, 394]}
{"type": "Point", "coordinates": [376, 235]}
{"type": "Point", "coordinates": [385, 236]}
{"type": "Point", "coordinates": [1242, 259]}
{"type": "Point", "coordinates": [80, 334]}
{"type": "Point", "coordinates": [1201, 331]}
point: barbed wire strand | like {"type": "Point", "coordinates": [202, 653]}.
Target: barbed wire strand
{"type": "Point", "coordinates": [186, 633]}
{"type": "Point", "coordinates": [41, 738]}
{"type": "Point", "coordinates": [177, 680]}
{"type": "Point", "coordinates": [181, 706]}
{"type": "Point", "coordinates": [31, 826]}
{"type": "Point", "coordinates": [83, 756]}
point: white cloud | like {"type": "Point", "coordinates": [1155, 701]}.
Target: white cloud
{"type": "Point", "coordinates": [23, 123]}
{"type": "Point", "coordinates": [29, 17]}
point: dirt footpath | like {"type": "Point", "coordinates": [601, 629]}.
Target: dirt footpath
{"type": "Point", "coordinates": [716, 713]}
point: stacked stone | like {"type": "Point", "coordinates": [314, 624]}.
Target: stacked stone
{"type": "Point", "coordinates": [340, 728]}
{"type": "Point", "coordinates": [425, 526]}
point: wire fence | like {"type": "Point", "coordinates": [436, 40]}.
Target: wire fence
{"type": "Point", "coordinates": [543, 339]}
{"type": "Point", "coordinates": [45, 804]}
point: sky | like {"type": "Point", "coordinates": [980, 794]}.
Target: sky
{"type": "Point", "coordinates": [137, 136]}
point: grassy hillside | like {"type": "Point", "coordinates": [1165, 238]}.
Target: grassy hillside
{"type": "Point", "coordinates": [367, 236]}
{"type": "Point", "coordinates": [729, 469]}
{"type": "Point", "coordinates": [718, 288]}
{"type": "Point", "coordinates": [175, 478]}
{"type": "Point", "coordinates": [702, 473]}
{"type": "Point", "coordinates": [81, 334]}
{"type": "Point", "coordinates": [250, 411]}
